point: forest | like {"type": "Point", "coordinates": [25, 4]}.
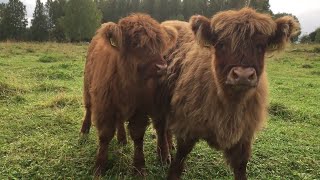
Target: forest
{"type": "Point", "coordinates": [77, 20]}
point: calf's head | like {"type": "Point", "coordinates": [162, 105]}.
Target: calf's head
{"type": "Point", "coordinates": [141, 42]}
{"type": "Point", "coordinates": [239, 41]}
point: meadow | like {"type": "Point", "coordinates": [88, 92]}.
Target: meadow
{"type": "Point", "coordinates": [41, 112]}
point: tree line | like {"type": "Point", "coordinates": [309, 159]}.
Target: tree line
{"type": "Point", "coordinates": [77, 20]}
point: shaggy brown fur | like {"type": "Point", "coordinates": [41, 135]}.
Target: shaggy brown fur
{"type": "Point", "coordinates": [203, 105]}
{"type": "Point", "coordinates": [120, 80]}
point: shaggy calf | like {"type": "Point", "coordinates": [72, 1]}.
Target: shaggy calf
{"type": "Point", "coordinates": [218, 83]}
{"type": "Point", "coordinates": [123, 65]}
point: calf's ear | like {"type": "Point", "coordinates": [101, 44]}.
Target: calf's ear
{"type": "Point", "coordinates": [287, 27]}
{"type": "Point", "coordinates": [171, 36]}
{"type": "Point", "coordinates": [201, 28]}
{"type": "Point", "coordinates": [112, 33]}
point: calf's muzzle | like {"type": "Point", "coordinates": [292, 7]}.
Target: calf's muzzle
{"type": "Point", "coordinates": [242, 76]}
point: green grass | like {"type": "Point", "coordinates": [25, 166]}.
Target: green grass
{"type": "Point", "coordinates": [41, 113]}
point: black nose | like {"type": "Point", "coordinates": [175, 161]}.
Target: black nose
{"type": "Point", "coordinates": [244, 76]}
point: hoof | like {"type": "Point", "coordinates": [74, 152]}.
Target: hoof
{"type": "Point", "coordinates": [99, 171]}
{"type": "Point", "coordinates": [83, 138]}
{"type": "Point", "coordinates": [141, 172]}
{"type": "Point", "coordinates": [122, 142]}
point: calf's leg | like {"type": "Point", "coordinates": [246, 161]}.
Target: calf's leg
{"type": "Point", "coordinates": [137, 127]}
{"type": "Point", "coordinates": [162, 141]}
{"type": "Point", "coordinates": [106, 129]}
{"type": "Point", "coordinates": [86, 124]}
{"type": "Point", "coordinates": [121, 133]}
{"type": "Point", "coordinates": [238, 157]}
{"type": "Point", "coordinates": [184, 147]}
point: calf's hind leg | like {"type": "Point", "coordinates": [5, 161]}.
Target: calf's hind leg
{"type": "Point", "coordinates": [137, 127]}
{"type": "Point", "coordinates": [121, 133]}
{"type": "Point", "coordinates": [162, 140]}
{"type": "Point", "coordinates": [86, 124]}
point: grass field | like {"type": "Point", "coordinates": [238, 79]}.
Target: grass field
{"type": "Point", "coordinates": [41, 112]}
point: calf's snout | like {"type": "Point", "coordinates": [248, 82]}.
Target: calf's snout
{"type": "Point", "coordinates": [242, 76]}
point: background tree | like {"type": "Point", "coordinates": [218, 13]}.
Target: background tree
{"type": "Point", "coordinates": [56, 12]}
{"type": "Point", "coordinates": [13, 20]}
{"type": "Point", "coordinates": [317, 37]}
{"type": "Point", "coordinates": [2, 6]}
{"type": "Point", "coordinates": [39, 27]}
{"type": "Point", "coordinates": [134, 6]}
{"type": "Point", "coordinates": [305, 38]}
{"type": "Point", "coordinates": [174, 10]}
{"type": "Point", "coordinates": [313, 34]}
{"type": "Point", "coordinates": [108, 10]}
{"type": "Point", "coordinates": [260, 5]}
{"type": "Point", "coordinates": [81, 20]}
{"type": "Point", "coordinates": [148, 6]}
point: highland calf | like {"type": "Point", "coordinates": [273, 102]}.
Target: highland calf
{"type": "Point", "coordinates": [123, 65]}
{"type": "Point", "coordinates": [218, 84]}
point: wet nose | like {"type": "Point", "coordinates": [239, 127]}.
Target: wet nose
{"type": "Point", "coordinates": [245, 76]}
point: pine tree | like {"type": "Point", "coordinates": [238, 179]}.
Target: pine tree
{"type": "Point", "coordinates": [163, 10]}
{"type": "Point", "coordinates": [13, 20]}
{"type": "Point", "coordinates": [148, 6]}
{"type": "Point", "coordinates": [261, 6]}
{"type": "Point", "coordinates": [134, 6]}
{"type": "Point", "coordinates": [81, 19]}
{"type": "Point", "coordinates": [174, 10]}
{"type": "Point", "coordinates": [317, 37]}
{"type": "Point", "coordinates": [40, 28]}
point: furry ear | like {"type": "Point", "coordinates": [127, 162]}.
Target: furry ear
{"type": "Point", "coordinates": [112, 33]}
{"type": "Point", "coordinates": [287, 27]}
{"type": "Point", "coordinates": [171, 36]}
{"type": "Point", "coordinates": [201, 28]}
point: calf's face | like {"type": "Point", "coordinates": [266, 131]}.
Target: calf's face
{"type": "Point", "coordinates": [240, 40]}
{"type": "Point", "coordinates": [141, 42]}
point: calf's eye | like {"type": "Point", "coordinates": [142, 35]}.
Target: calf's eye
{"type": "Point", "coordinates": [260, 48]}
{"type": "Point", "coordinates": [219, 46]}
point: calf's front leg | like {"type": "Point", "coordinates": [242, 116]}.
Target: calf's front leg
{"type": "Point", "coordinates": [106, 129]}
{"type": "Point", "coordinates": [137, 126]}
{"type": "Point", "coordinates": [238, 157]}
{"type": "Point", "coordinates": [184, 147]}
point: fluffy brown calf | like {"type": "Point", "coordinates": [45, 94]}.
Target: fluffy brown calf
{"type": "Point", "coordinates": [121, 71]}
{"type": "Point", "coordinates": [217, 79]}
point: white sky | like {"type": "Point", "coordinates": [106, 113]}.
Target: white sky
{"type": "Point", "coordinates": [307, 11]}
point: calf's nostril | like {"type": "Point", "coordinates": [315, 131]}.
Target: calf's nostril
{"type": "Point", "coordinates": [251, 77]}
{"type": "Point", "coordinates": [161, 67]}
{"type": "Point", "coordinates": [234, 75]}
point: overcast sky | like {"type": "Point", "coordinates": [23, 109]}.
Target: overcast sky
{"type": "Point", "coordinates": [307, 11]}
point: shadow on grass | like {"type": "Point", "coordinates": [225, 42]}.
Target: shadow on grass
{"type": "Point", "coordinates": [284, 113]}
{"type": "Point", "coordinates": [44, 87]}
{"type": "Point", "coordinates": [11, 93]}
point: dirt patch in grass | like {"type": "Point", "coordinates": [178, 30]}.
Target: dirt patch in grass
{"type": "Point", "coordinates": [307, 66]}
{"type": "Point", "coordinates": [62, 101]}
{"type": "Point", "coordinates": [8, 91]}
{"type": "Point", "coordinates": [50, 88]}
{"type": "Point", "coordinates": [316, 73]}
{"type": "Point", "coordinates": [54, 75]}
{"type": "Point", "coordinates": [48, 59]}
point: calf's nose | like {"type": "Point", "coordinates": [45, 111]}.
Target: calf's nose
{"type": "Point", "coordinates": [244, 76]}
